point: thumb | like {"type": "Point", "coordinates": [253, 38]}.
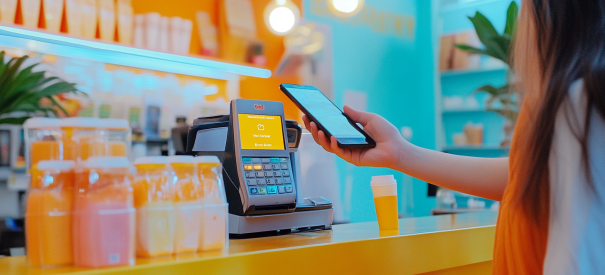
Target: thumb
{"type": "Point", "coordinates": [360, 117]}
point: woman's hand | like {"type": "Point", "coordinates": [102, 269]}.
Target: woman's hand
{"type": "Point", "coordinates": [390, 148]}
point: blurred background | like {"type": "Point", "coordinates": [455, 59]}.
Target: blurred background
{"type": "Point", "coordinates": [418, 63]}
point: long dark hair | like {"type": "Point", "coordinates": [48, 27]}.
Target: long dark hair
{"type": "Point", "coordinates": [558, 42]}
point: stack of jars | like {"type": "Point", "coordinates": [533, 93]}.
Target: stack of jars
{"type": "Point", "coordinates": [85, 206]}
{"type": "Point", "coordinates": [180, 205]}
{"type": "Point", "coordinates": [79, 208]}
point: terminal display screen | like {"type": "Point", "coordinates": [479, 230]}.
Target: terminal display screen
{"type": "Point", "coordinates": [261, 132]}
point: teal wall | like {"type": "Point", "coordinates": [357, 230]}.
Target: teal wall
{"type": "Point", "coordinates": [397, 74]}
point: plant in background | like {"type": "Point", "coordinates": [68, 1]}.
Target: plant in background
{"type": "Point", "coordinates": [25, 93]}
{"type": "Point", "coordinates": [502, 99]}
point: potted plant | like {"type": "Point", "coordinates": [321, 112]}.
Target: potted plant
{"type": "Point", "coordinates": [25, 93]}
{"type": "Point", "coordinates": [503, 99]}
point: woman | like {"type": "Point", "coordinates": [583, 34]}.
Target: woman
{"type": "Point", "coordinates": [552, 187]}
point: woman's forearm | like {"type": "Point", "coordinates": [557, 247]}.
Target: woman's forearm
{"type": "Point", "coordinates": [483, 177]}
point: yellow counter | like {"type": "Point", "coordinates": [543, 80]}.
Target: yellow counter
{"type": "Point", "coordinates": [448, 244]}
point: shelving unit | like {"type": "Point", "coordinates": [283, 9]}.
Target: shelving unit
{"type": "Point", "coordinates": [452, 73]}
{"type": "Point", "coordinates": [111, 53]}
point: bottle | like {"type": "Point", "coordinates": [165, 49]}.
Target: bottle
{"type": "Point", "coordinates": [152, 31]}
{"type": "Point", "coordinates": [73, 15]}
{"type": "Point", "coordinates": [214, 233]}
{"type": "Point", "coordinates": [106, 11]}
{"type": "Point", "coordinates": [48, 217]}
{"type": "Point", "coordinates": [88, 19]}
{"type": "Point", "coordinates": [119, 137]}
{"type": "Point", "coordinates": [153, 200]}
{"type": "Point", "coordinates": [53, 11]}
{"type": "Point", "coordinates": [125, 21]}
{"type": "Point", "coordinates": [104, 214]}
{"type": "Point", "coordinates": [8, 10]}
{"type": "Point", "coordinates": [30, 10]}
{"type": "Point", "coordinates": [43, 140]}
{"type": "Point", "coordinates": [139, 31]}
{"type": "Point", "coordinates": [187, 203]}
{"type": "Point", "coordinates": [82, 138]}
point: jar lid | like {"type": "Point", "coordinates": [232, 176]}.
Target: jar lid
{"type": "Point", "coordinates": [115, 123]}
{"type": "Point", "coordinates": [55, 165]}
{"type": "Point", "coordinates": [80, 122]}
{"type": "Point", "coordinates": [383, 180]}
{"type": "Point", "coordinates": [41, 123]}
{"type": "Point", "coordinates": [207, 159]}
{"type": "Point", "coordinates": [151, 160]}
{"type": "Point", "coordinates": [107, 162]}
{"type": "Point", "coordinates": [181, 159]}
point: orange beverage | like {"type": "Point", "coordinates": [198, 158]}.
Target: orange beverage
{"type": "Point", "coordinates": [187, 203]}
{"type": "Point", "coordinates": [119, 138]}
{"type": "Point", "coordinates": [153, 197]}
{"type": "Point", "coordinates": [42, 140]}
{"type": "Point", "coordinates": [384, 189]}
{"type": "Point", "coordinates": [104, 216]}
{"type": "Point", "coordinates": [213, 228]}
{"type": "Point", "coordinates": [82, 138]}
{"type": "Point", "coordinates": [48, 216]}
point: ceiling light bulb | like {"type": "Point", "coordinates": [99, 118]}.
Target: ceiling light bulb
{"type": "Point", "coordinates": [346, 6]}
{"type": "Point", "coordinates": [282, 19]}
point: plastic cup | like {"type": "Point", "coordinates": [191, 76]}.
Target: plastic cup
{"type": "Point", "coordinates": [384, 189]}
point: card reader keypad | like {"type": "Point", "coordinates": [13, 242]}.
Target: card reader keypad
{"type": "Point", "coordinates": [268, 176]}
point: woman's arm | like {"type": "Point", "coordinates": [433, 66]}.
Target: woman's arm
{"type": "Point", "coordinates": [483, 177]}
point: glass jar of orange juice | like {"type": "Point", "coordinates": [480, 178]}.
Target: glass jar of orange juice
{"type": "Point", "coordinates": [214, 228]}
{"type": "Point", "coordinates": [186, 203]}
{"type": "Point", "coordinates": [104, 214]}
{"type": "Point", "coordinates": [83, 138]}
{"type": "Point", "coordinates": [153, 200]}
{"type": "Point", "coordinates": [119, 138]}
{"type": "Point", "coordinates": [43, 140]}
{"type": "Point", "coordinates": [48, 217]}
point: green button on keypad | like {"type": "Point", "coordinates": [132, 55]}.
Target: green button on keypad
{"type": "Point", "coordinates": [274, 159]}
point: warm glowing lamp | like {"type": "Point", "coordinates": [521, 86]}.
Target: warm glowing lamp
{"type": "Point", "coordinates": [345, 8]}
{"type": "Point", "coordinates": [281, 16]}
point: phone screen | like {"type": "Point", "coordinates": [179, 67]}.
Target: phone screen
{"type": "Point", "coordinates": [326, 113]}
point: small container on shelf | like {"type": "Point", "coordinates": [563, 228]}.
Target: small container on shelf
{"type": "Point", "coordinates": [104, 214]}
{"type": "Point", "coordinates": [43, 140]}
{"type": "Point", "coordinates": [153, 200]}
{"type": "Point", "coordinates": [187, 205]}
{"type": "Point", "coordinates": [214, 233]}
{"type": "Point", "coordinates": [83, 138]}
{"type": "Point", "coordinates": [48, 217]}
{"type": "Point", "coordinates": [119, 137]}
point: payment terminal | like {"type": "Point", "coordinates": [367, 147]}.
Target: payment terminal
{"type": "Point", "coordinates": [258, 158]}
{"type": "Point", "coordinates": [261, 168]}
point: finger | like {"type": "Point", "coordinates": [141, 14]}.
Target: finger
{"type": "Point", "coordinates": [337, 150]}
{"type": "Point", "coordinates": [314, 131]}
{"type": "Point", "coordinates": [306, 122]}
{"type": "Point", "coordinates": [358, 116]}
{"type": "Point", "coordinates": [323, 141]}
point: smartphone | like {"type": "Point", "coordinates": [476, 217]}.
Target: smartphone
{"type": "Point", "coordinates": [329, 118]}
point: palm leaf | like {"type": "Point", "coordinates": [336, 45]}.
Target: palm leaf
{"type": "Point", "coordinates": [13, 120]}
{"type": "Point", "coordinates": [511, 18]}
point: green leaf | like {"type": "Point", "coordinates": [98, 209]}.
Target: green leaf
{"type": "Point", "coordinates": [484, 28]}
{"type": "Point", "coordinates": [55, 103]}
{"type": "Point", "coordinates": [13, 120]}
{"type": "Point", "coordinates": [471, 49]}
{"type": "Point", "coordinates": [511, 18]}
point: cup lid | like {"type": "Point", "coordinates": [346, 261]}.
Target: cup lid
{"type": "Point", "coordinates": [151, 160]}
{"type": "Point", "coordinates": [81, 122]}
{"type": "Point", "coordinates": [55, 165]}
{"type": "Point", "coordinates": [41, 123]}
{"type": "Point", "coordinates": [383, 180]}
{"type": "Point", "coordinates": [107, 162]}
{"type": "Point", "coordinates": [114, 123]}
{"type": "Point", "coordinates": [207, 159]}
{"type": "Point", "coordinates": [180, 159]}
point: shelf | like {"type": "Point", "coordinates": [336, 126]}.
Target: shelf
{"type": "Point", "coordinates": [464, 111]}
{"type": "Point", "coordinates": [466, 72]}
{"type": "Point", "coordinates": [63, 45]}
{"type": "Point", "coordinates": [475, 148]}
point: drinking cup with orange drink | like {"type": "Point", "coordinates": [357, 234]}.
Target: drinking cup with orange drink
{"type": "Point", "coordinates": [384, 189]}
{"type": "Point", "coordinates": [153, 200]}
{"type": "Point", "coordinates": [187, 204]}
{"type": "Point", "coordinates": [104, 214]}
{"type": "Point", "coordinates": [43, 138]}
{"type": "Point", "coordinates": [48, 216]}
{"type": "Point", "coordinates": [214, 222]}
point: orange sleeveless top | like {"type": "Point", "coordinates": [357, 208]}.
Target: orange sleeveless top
{"type": "Point", "coordinates": [520, 245]}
